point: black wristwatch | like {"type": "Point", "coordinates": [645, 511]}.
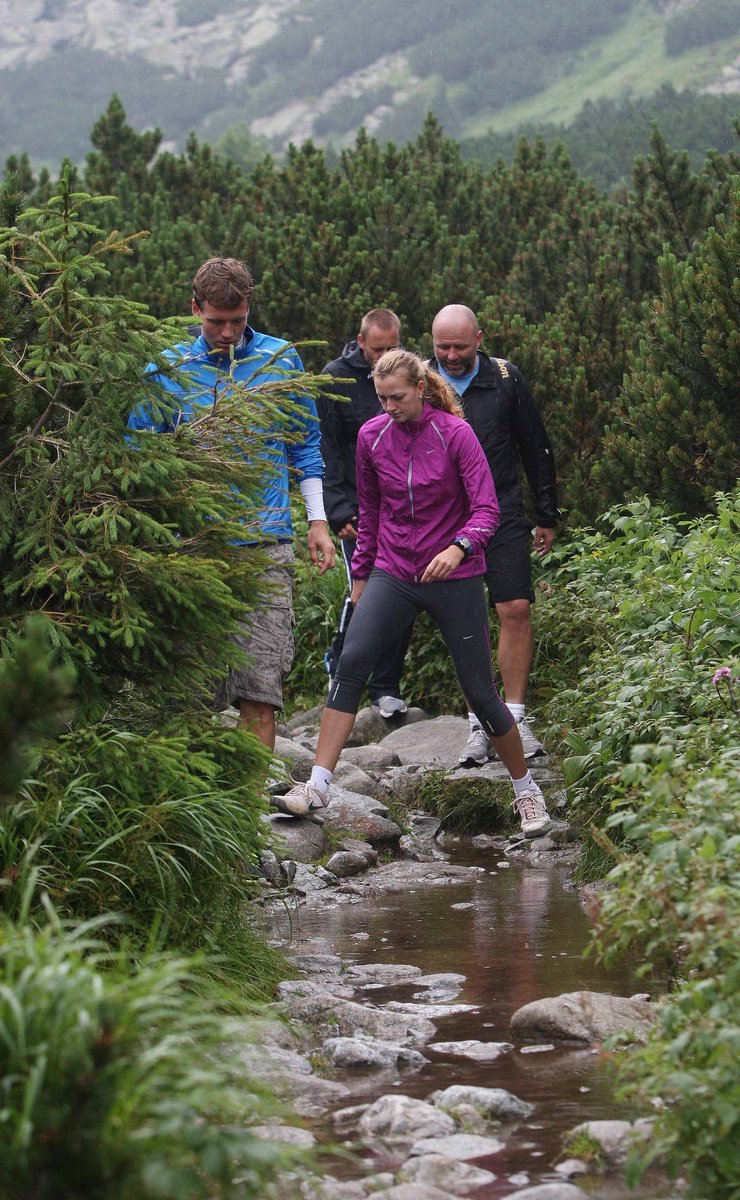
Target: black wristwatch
{"type": "Point", "coordinates": [463, 544]}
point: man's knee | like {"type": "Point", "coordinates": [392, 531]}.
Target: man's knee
{"type": "Point", "coordinates": [515, 614]}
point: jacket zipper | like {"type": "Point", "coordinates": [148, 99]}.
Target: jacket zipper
{"type": "Point", "coordinates": [410, 487]}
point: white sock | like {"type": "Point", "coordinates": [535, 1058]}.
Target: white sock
{"type": "Point", "coordinates": [516, 710]}
{"type": "Point", "coordinates": [473, 722]}
{"type": "Point", "coordinates": [525, 784]}
{"type": "Point", "coordinates": [321, 777]}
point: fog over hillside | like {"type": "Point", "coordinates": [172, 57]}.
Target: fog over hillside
{"type": "Point", "coordinates": [293, 69]}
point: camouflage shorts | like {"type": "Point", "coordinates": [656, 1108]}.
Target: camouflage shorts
{"type": "Point", "coordinates": [267, 637]}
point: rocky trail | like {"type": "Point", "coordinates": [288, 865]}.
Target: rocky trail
{"type": "Point", "coordinates": [444, 1027]}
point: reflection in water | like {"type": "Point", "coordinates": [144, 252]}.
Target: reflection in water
{"type": "Point", "coordinates": [521, 940]}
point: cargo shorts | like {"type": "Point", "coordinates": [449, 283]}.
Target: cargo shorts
{"type": "Point", "coordinates": [266, 636]}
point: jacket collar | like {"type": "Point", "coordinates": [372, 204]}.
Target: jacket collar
{"type": "Point", "coordinates": [485, 378]}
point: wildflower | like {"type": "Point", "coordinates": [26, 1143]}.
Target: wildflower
{"type": "Point", "coordinates": [721, 673]}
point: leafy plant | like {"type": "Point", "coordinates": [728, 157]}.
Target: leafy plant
{"type": "Point", "coordinates": [117, 1080]}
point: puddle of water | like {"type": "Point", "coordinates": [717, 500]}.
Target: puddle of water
{"type": "Point", "coordinates": [522, 939]}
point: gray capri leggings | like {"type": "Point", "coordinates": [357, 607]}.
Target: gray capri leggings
{"type": "Point", "coordinates": [388, 606]}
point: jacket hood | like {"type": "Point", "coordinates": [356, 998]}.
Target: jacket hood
{"type": "Point", "coordinates": [353, 356]}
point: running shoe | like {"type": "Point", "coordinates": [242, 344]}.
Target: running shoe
{"type": "Point", "coordinates": [532, 812]}
{"type": "Point", "coordinates": [530, 745]}
{"type": "Point", "coordinates": [389, 706]}
{"type": "Point", "coordinates": [478, 749]}
{"type": "Point", "coordinates": [303, 800]}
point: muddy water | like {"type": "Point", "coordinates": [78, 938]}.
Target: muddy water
{"type": "Point", "coordinates": [521, 938]}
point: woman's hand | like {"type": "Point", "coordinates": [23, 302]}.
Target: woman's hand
{"type": "Point", "coordinates": [442, 565]}
{"type": "Point", "coordinates": [358, 587]}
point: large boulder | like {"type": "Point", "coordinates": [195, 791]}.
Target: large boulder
{"type": "Point", "coordinates": [495, 1104]}
{"type": "Point", "coordinates": [437, 1170]}
{"type": "Point", "coordinates": [583, 1017]}
{"type": "Point", "coordinates": [436, 742]}
{"type": "Point", "coordinates": [404, 1119]}
{"type": "Point", "coordinates": [612, 1141]}
{"type": "Point", "coordinates": [362, 817]}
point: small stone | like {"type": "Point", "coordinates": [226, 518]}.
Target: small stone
{"type": "Point", "coordinates": [537, 1049]}
{"type": "Point", "coordinates": [291, 1135]}
{"type": "Point", "coordinates": [460, 1146]}
{"type": "Point", "coordinates": [385, 974]}
{"type": "Point", "coordinates": [437, 1170]}
{"type": "Point", "coordinates": [492, 1103]}
{"type": "Point", "coordinates": [402, 1118]}
{"type": "Point", "coordinates": [345, 863]}
{"type": "Point", "coordinates": [548, 1191]}
{"type": "Point", "coordinates": [476, 1051]}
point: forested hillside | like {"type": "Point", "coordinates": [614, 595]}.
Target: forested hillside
{"type": "Point", "coordinates": [296, 69]}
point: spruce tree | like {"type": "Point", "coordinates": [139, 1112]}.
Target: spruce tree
{"type": "Point", "coordinates": [676, 427]}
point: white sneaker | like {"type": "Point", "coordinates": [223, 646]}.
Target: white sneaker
{"type": "Point", "coordinates": [303, 800]}
{"type": "Point", "coordinates": [533, 814]}
{"type": "Point", "coordinates": [478, 749]}
{"type": "Point", "coordinates": [530, 745]}
{"type": "Point", "coordinates": [389, 706]}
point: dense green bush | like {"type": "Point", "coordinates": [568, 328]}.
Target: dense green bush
{"type": "Point", "coordinates": [117, 1081]}
{"type": "Point", "coordinates": [642, 647]}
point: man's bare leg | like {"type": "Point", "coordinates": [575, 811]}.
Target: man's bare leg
{"type": "Point", "coordinates": [259, 719]}
{"type": "Point", "coordinates": [515, 648]}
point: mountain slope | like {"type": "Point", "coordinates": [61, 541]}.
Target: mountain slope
{"type": "Point", "coordinates": [292, 69]}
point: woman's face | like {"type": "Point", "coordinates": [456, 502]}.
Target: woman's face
{"type": "Point", "coordinates": [399, 397]}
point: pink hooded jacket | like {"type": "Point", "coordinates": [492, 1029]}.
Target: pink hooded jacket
{"type": "Point", "coordinates": [420, 485]}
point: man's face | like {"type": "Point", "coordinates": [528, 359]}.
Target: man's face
{"type": "Point", "coordinates": [375, 341]}
{"type": "Point", "coordinates": [222, 327]}
{"type": "Point", "coordinates": [456, 343]}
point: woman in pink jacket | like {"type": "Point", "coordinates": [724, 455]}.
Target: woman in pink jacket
{"type": "Point", "coordinates": [427, 509]}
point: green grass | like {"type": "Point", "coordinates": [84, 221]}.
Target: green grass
{"type": "Point", "coordinates": [630, 61]}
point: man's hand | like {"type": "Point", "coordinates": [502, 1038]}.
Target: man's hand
{"type": "Point", "coordinates": [358, 587]}
{"type": "Point", "coordinates": [543, 540]}
{"type": "Point", "coordinates": [320, 546]}
{"type": "Point", "coordinates": [347, 531]}
{"type": "Point", "coordinates": [442, 565]}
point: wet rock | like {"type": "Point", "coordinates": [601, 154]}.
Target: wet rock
{"type": "Point", "coordinates": [354, 779]}
{"type": "Point", "coordinates": [571, 1168]}
{"type": "Point", "coordinates": [330, 1189]}
{"type": "Point", "coordinates": [345, 863]}
{"type": "Point", "coordinates": [374, 758]}
{"type": "Point", "coordinates": [310, 879]}
{"type": "Point", "coordinates": [419, 851]}
{"type": "Point", "coordinates": [402, 1118]}
{"type": "Point", "coordinates": [312, 1096]}
{"type": "Point", "coordinates": [463, 905]}
{"type": "Point", "coordinates": [305, 720]}
{"type": "Point", "coordinates": [262, 1062]}
{"type": "Point", "coordinates": [324, 965]}
{"type": "Point", "coordinates": [357, 847]}
{"type": "Point", "coordinates": [382, 974]}
{"type": "Point", "coordinates": [271, 869]}
{"type": "Point", "coordinates": [369, 727]}
{"type": "Point", "coordinates": [476, 1051]}
{"type": "Point", "coordinates": [298, 761]}
{"type": "Point", "coordinates": [346, 1018]}
{"type": "Point", "coordinates": [435, 742]}
{"type": "Point", "coordinates": [414, 1191]}
{"type": "Point", "coordinates": [445, 985]}
{"type": "Point", "coordinates": [612, 1140]}
{"type": "Point", "coordinates": [323, 989]}
{"type": "Point", "coordinates": [431, 1010]}
{"type": "Point", "coordinates": [370, 1053]}
{"type": "Point", "coordinates": [583, 1017]}
{"type": "Point", "coordinates": [290, 1135]}
{"type": "Point", "coordinates": [402, 876]}
{"type": "Point", "coordinates": [548, 1191]}
{"type": "Point", "coordinates": [492, 1103]}
{"type": "Point", "coordinates": [460, 1146]}
{"type": "Point", "coordinates": [424, 826]}
{"type": "Point", "coordinates": [490, 841]}
{"type": "Point", "coordinates": [347, 1119]}
{"type": "Point", "coordinates": [436, 1170]}
{"type": "Point", "coordinates": [361, 816]}
{"type": "Point", "coordinates": [296, 837]}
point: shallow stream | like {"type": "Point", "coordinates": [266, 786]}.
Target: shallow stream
{"type": "Point", "coordinates": [519, 937]}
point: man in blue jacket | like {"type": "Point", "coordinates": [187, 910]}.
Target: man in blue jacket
{"type": "Point", "coordinates": [222, 289]}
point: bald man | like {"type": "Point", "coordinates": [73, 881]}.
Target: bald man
{"type": "Point", "coordinates": [501, 410]}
